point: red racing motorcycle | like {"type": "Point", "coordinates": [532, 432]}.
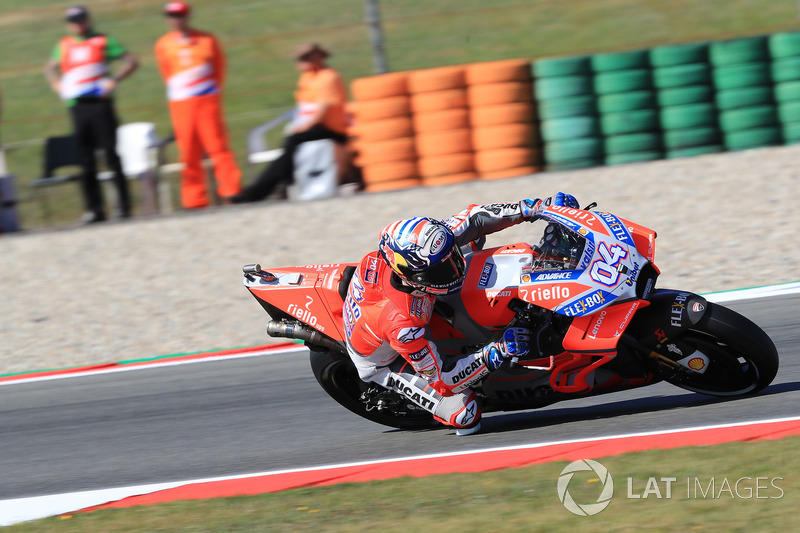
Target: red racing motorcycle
{"type": "Point", "coordinates": [587, 293]}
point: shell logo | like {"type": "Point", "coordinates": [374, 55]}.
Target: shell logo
{"type": "Point", "coordinates": [696, 363]}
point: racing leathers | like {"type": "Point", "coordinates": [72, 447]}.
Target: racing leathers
{"type": "Point", "coordinates": [387, 327]}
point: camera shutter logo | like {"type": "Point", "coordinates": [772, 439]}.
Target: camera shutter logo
{"type": "Point", "coordinates": [588, 509]}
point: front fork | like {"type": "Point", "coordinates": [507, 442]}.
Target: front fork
{"type": "Point", "coordinates": [655, 332]}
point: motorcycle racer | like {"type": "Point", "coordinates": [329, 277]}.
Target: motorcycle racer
{"type": "Point", "coordinates": [390, 302]}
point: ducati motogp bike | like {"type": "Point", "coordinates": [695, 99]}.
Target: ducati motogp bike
{"type": "Point", "coordinates": [586, 292]}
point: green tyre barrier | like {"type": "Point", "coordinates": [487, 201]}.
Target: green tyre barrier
{"type": "Point", "coordinates": [622, 81]}
{"type": "Point", "coordinates": [688, 116]}
{"type": "Point", "coordinates": [694, 151]}
{"type": "Point", "coordinates": [685, 95]}
{"type": "Point", "coordinates": [690, 138]}
{"type": "Point", "coordinates": [789, 112]}
{"type": "Point", "coordinates": [636, 59]}
{"type": "Point", "coordinates": [786, 69]}
{"type": "Point", "coordinates": [787, 91]}
{"type": "Point", "coordinates": [748, 118]}
{"type": "Point", "coordinates": [631, 143]}
{"type": "Point", "coordinates": [755, 138]}
{"type": "Point", "coordinates": [590, 148]}
{"type": "Point", "coordinates": [681, 76]}
{"type": "Point", "coordinates": [554, 67]}
{"type": "Point", "coordinates": [637, 157]}
{"type": "Point", "coordinates": [739, 76]}
{"type": "Point", "coordinates": [678, 54]}
{"type": "Point", "coordinates": [561, 129]}
{"type": "Point", "coordinates": [562, 87]}
{"type": "Point", "coordinates": [622, 102]}
{"type": "Point", "coordinates": [791, 132]}
{"type": "Point", "coordinates": [737, 51]}
{"type": "Point", "coordinates": [574, 165]}
{"type": "Point", "coordinates": [573, 106]}
{"type": "Point", "coordinates": [747, 97]}
{"type": "Point", "coordinates": [643, 120]}
{"type": "Point", "coordinates": [784, 44]}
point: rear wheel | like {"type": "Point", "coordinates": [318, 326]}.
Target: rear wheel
{"type": "Point", "coordinates": [338, 377]}
{"type": "Point", "coordinates": [741, 358]}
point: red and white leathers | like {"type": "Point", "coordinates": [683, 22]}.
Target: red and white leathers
{"type": "Point", "coordinates": [385, 319]}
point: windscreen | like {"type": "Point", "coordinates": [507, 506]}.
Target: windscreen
{"type": "Point", "coordinates": [560, 248]}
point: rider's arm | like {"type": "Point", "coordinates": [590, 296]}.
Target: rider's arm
{"type": "Point", "coordinates": [478, 220]}
{"type": "Point", "coordinates": [411, 342]}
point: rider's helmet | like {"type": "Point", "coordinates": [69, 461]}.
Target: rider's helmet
{"type": "Point", "coordinates": [423, 253]}
{"type": "Point", "coordinates": [559, 249]}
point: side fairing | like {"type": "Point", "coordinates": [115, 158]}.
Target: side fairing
{"type": "Point", "coordinates": [491, 283]}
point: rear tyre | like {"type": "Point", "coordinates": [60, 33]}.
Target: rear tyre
{"type": "Point", "coordinates": [743, 359]}
{"type": "Point", "coordinates": [338, 377]}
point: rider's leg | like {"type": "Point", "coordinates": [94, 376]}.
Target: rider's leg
{"type": "Point", "coordinates": [460, 410]}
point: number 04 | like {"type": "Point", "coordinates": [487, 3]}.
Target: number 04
{"type": "Point", "coordinates": [604, 270]}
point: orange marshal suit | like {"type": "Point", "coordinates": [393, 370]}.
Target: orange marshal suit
{"type": "Point", "coordinates": [194, 70]}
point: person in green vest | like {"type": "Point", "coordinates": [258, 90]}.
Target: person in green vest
{"type": "Point", "coordinates": [78, 72]}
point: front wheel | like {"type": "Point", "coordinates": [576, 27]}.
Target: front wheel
{"type": "Point", "coordinates": [339, 378]}
{"type": "Point", "coordinates": [738, 357]}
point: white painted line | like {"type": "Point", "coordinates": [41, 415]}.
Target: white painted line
{"type": "Point", "coordinates": [35, 507]}
{"type": "Point", "coordinates": [755, 292]}
{"type": "Point", "coordinates": [146, 366]}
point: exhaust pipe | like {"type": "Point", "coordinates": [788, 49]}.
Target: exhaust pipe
{"type": "Point", "coordinates": [296, 330]}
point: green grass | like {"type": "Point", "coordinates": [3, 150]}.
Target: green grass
{"type": "Point", "coordinates": [522, 499]}
{"type": "Point", "coordinates": [258, 36]}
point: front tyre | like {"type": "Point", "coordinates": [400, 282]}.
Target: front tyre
{"type": "Point", "coordinates": [339, 378]}
{"type": "Point", "coordinates": [742, 359]}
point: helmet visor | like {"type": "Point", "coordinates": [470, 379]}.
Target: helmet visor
{"type": "Point", "coordinates": [447, 275]}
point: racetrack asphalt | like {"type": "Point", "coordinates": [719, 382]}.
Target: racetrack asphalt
{"type": "Point", "coordinates": [245, 415]}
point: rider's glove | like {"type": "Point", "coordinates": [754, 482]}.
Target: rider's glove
{"type": "Point", "coordinates": [532, 207]}
{"type": "Point", "coordinates": [528, 207]}
{"type": "Point", "coordinates": [513, 343]}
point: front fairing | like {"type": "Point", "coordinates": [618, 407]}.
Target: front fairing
{"type": "Point", "coordinates": [605, 273]}
{"type": "Point", "coordinates": [604, 270]}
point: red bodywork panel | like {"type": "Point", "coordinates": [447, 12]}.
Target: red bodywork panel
{"type": "Point", "coordinates": [645, 240]}
{"type": "Point", "coordinates": [489, 307]}
{"type": "Point", "coordinates": [309, 293]}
